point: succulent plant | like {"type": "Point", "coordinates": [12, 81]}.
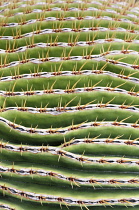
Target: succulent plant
{"type": "Point", "coordinates": [69, 104]}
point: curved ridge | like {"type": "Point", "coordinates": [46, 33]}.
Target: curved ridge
{"type": "Point", "coordinates": [108, 10]}
{"type": "Point", "coordinates": [74, 157]}
{"type": "Point", "coordinates": [68, 91]}
{"type": "Point", "coordinates": [96, 140]}
{"type": "Point", "coordinates": [66, 44]}
{"type": "Point", "coordinates": [71, 73]}
{"type": "Point", "coordinates": [68, 30]}
{"type": "Point", "coordinates": [61, 110]}
{"type": "Point", "coordinates": [97, 57]}
{"type": "Point", "coordinates": [70, 18]}
{"type": "Point", "coordinates": [67, 200]}
{"type": "Point", "coordinates": [65, 130]}
{"type": "Point", "coordinates": [71, 179]}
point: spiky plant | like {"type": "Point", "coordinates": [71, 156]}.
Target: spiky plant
{"type": "Point", "coordinates": [69, 97]}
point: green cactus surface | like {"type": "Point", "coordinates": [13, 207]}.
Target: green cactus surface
{"type": "Point", "coordinates": [69, 104]}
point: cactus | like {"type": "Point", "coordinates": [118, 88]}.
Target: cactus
{"type": "Point", "coordinates": [69, 97]}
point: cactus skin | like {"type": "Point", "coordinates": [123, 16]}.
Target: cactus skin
{"type": "Point", "coordinates": [69, 97]}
